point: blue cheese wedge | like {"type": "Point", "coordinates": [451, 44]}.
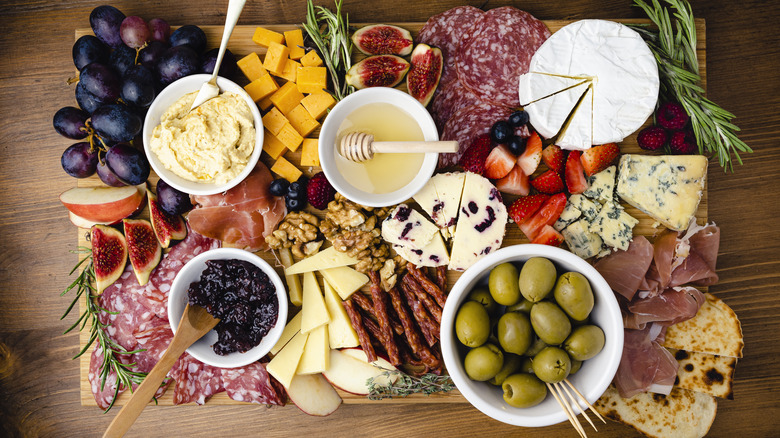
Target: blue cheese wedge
{"type": "Point", "coordinates": [434, 254]}
{"type": "Point", "coordinates": [440, 199]}
{"type": "Point", "coordinates": [602, 185]}
{"type": "Point", "coordinates": [614, 226]}
{"type": "Point", "coordinates": [569, 214]}
{"type": "Point", "coordinates": [405, 226]}
{"type": "Point", "coordinates": [668, 188]}
{"type": "Point", "coordinates": [588, 208]}
{"type": "Point", "coordinates": [581, 240]}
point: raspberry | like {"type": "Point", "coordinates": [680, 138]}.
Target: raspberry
{"type": "Point", "coordinates": [652, 138]}
{"type": "Point", "coordinates": [671, 115]}
{"type": "Point", "coordinates": [319, 191]}
{"type": "Point", "coordinates": [683, 143]}
{"type": "Point", "coordinates": [473, 160]}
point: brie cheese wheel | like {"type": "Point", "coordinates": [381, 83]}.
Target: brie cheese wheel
{"type": "Point", "coordinates": [624, 80]}
{"type": "Point", "coordinates": [537, 86]}
{"type": "Point", "coordinates": [548, 115]}
{"type": "Point", "coordinates": [578, 132]}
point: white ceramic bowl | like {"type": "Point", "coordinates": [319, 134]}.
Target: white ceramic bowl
{"type": "Point", "coordinates": [202, 349]}
{"type": "Point", "coordinates": [168, 97]}
{"type": "Point", "coordinates": [328, 148]}
{"type": "Point", "coordinates": [591, 380]}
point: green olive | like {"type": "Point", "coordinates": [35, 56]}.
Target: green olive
{"type": "Point", "coordinates": [550, 323]}
{"type": "Point", "coordinates": [537, 278]}
{"type": "Point", "coordinates": [511, 366]}
{"type": "Point", "coordinates": [482, 296]}
{"type": "Point", "coordinates": [575, 366]}
{"type": "Point", "coordinates": [523, 390]}
{"type": "Point", "coordinates": [584, 342]}
{"type": "Point", "coordinates": [574, 294]}
{"type": "Point", "coordinates": [514, 332]}
{"type": "Point", "coordinates": [472, 324]}
{"type": "Point", "coordinates": [527, 366]}
{"type": "Point", "coordinates": [535, 347]}
{"type": "Point", "coordinates": [503, 284]}
{"type": "Point", "coordinates": [483, 363]}
{"type": "Point", "coordinates": [552, 365]}
{"type": "Point", "coordinates": [522, 306]}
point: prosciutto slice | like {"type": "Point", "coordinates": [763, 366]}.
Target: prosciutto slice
{"type": "Point", "coordinates": [670, 307]}
{"type": "Point", "coordinates": [645, 364]}
{"type": "Point", "coordinates": [625, 270]}
{"type": "Point", "coordinates": [242, 216]}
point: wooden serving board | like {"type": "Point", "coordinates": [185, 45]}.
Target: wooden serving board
{"type": "Point", "coordinates": [240, 45]}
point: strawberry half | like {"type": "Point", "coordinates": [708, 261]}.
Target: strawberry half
{"type": "Point", "coordinates": [525, 207]}
{"type": "Point", "coordinates": [530, 159]}
{"type": "Point", "coordinates": [549, 182]}
{"type": "Point", "coordinates": [575, 176]}
{"type": "Point", "coordinates": [598, 158]}
{"type": "Point", "coordinates": [516, 183]}
{"type": "Point", "coordinates": [499, 162]}
{"type": "Point", "coordinates": [554, 157]}
{"type": "Point", "coordinates": [473, 160]}
{"type": "Point", "coordinates": [549, 212]}
{"type": "Point", "coordinates": [548, 236]}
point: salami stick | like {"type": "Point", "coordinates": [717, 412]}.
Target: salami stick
{"type": "Point", "coordinates": [427, 326]}
{"type": "Point", "coordinates": [380, 311]}
{"type": "Point", "coordinates": [441, 277]}
{"type": "Point", "coordinates": [357, 324]}
{"type": "Point", "coordinates": [426, 299]}
{"type": "Point", "coordinates": [387, 343]}
{"type": "Point", "coordinates": [412, 337]}
{"type": "Point", "coordinates": [427, 284]}
{"type": "Point", "coordinates": [364, 303]}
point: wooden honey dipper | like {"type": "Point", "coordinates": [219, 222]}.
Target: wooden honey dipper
{"type": "Point", "coordinates": [359, 146]}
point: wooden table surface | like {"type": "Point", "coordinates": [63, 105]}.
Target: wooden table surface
{"type": "Point", "coordinates": [39, 383]}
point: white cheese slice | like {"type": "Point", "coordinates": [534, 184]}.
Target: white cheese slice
{"type": "Point", "coordinates": [313, 309]}
{"type": "Point", "coordinates": [316, 352]}
{"type": "Point", "coordinates": [345, 280]}
{"type": "Point", "coordinates": [340, 331]}
{"type": "Point", "coordinates": [440, 199]}
{"type": "Point", "coordinates": [327, 258]}
{"type": "Point", "coordinates": [536, 86]}
{"type": "Point", "coordinates": [548, 115]}
{"type": "Point", "coordinates": [578, 132]}
{"type": "Point", "coordinates": [405, 226]}
{"type": "Point", "coordinates": [434, 254]}
{"type": "Point", "coordinates": [291, 329]}
{"type": "Point", "coordinates": [284, 364]}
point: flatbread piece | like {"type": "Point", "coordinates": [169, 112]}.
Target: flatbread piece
{"type": "Point", "coordinates": [714, 330]}
{"type": "Point", "coordinates": [707, 373]}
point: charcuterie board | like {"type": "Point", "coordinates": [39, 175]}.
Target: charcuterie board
{"type": "Point", "coordinates": [241, 44]}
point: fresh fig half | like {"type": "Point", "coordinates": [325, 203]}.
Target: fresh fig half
{"type": "Point", "coordinates": [425, 72]}
{"type": "Point", "coordinates": [377, 71]}
{"type": "Point", "coordinates": [142, 247]}
{"type": "Point", "coordinates": [109, 255]}
{"type": "Point", "coordinates": [166, 227]}
{"type": "Point", "coordinates": [383, 39]}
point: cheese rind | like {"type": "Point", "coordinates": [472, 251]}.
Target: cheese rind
{"type": "Point", "coordinates": [577, 134]}
{"type": "Point", "coordinates": [668, 188]}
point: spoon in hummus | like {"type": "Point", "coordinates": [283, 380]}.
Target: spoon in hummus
{"type": "Point", "coordinates": [210, 89]}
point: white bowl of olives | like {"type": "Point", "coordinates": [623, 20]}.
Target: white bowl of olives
{"type": "Point", "coordinates": [525, 316]}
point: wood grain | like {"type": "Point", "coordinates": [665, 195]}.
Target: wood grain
{"type": "Point", "coordinates": [39, 382]}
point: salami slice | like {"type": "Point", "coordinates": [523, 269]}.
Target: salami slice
{"type": "Point", "coordinates": [251, 383]}
{"type": "Point", "coordinates": [466, 124]}
{"type": "Point", "coordinates": [195, 381]}
{"type": "Point", "coordinates": [124, 310]}
{"type": "Point", "coordinates": [450, 97]}
{"type": "Point", "coordinates": [102, 391]}
{"type": "Point", "coordinates": [497, 50]}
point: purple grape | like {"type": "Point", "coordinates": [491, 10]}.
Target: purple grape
{"type": "Point", "coordinates": [116, 122]}
{"type": "Point", "coordinates": [69, 122]}
{"type": "Point", "coordinates": [105, 21]}
{"type": "Point", "coordinates": [189, 35]}
{"type": "Point", "coordinates": [172, 201]}
{"type": "Point", "coordinates": [89, 49]}
{"type": "Point", "coordinates": [106, 175]}
{"type": "Point", "coordinates": [121, 59]}
{"type": "Point", "coordinates": [87, 101]}
{"type": "Point", "coordinates": [101, 81]}
{"type": "Point", "coordinates": [79, 160]}
{"type": "Point", "coordinates": [128, 164]}
{"type": "Point", "coordinates": [138, 86]}
{"type": "Point", "coordinates": [228, 67]}
{"type": "Point", "coordinates": [134, 32]}
{"type": "Point", "coordinates": [149, 55]}
{"type": "Point", "coordinates": [160, 29]}
{"type": "Point", "coordinates": [176, 63]}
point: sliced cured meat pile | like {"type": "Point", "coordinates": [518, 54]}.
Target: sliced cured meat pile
{"type": "Point", "coordinates": [645, 364]}
{"type": "Point", "coordinates": [242, 216]}
{"type": "Point", "coordinates": [485, 53]}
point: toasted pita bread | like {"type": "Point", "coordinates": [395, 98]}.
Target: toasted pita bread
{"type": "Point", "coordinates": [705, 373]}
{"type": "Point", "coordinates": [714, 330]}
{"type": "Point", "coordinates": [681, 414]}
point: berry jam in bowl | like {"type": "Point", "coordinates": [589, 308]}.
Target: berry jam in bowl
{"type": "Point", "coordinates": [243, 291]}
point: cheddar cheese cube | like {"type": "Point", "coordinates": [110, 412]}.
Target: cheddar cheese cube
{"type": "Point", "coordinates": [265, 103]}
{"type": "Point", "coordinates": [312, 79]}
{"type": "Point", "coordinates": [311, 59]}
{"type": "Point", "coordinates": [251, 66]}
{"type": "Point", "coordinates": [294, 41]}
{"type": "Point", "coordinates": [317, 104]}
{"type": "Point", "coordinates": [272, 146]}
{"type": "Point", "coordinates": [274, 120]}
{"type": "Point", "coordinates": [275, 58]}
{"type": "Point", "coordinates": [286, 170]}
{"type": "Point", "coordinates": [290, 137]}
{"type": "Point", "coordinates": [302, 121]}
{"type": "Point", "coordinates": [287, 97]}
{"type": "Point", "coordinates": [265, 37]}
{"type": "Point", "coordinates": [290, 70]}
{"type": "Point", "coordinates": [262, 87]}
{"type": "Point", "coordinates": [310, 153]}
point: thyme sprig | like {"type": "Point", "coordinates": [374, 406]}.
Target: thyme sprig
{"type": "Point", "coordinates": [83, 284]}
{"type": "Point", "coordinates": [330, 33]}
{"type": "Point", "coordinates": [674, 48]}
{"type": "Point", "coordinates": [406, 385]}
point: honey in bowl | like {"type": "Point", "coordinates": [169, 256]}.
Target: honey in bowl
{"type": "Point", "coordinates": [384, 173]}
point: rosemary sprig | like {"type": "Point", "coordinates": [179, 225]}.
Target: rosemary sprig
{"type": "Point", "coordinates": [83, 284]}
{"type": "Point", "coordinates": [330, 33]}
{"type": "Point", "coordinates": [406, 385]}
{"type": "Point", "coordinates": [674, 47]}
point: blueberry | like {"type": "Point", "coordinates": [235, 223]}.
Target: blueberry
{"type": "Point", "coordinates": [279, 187]}
{"type": "Point", "coordinates": [516, 144]}
{"type": "Point", "coordinates": [518, 118]}
{"type": "Point", "coordinates": [293, 204]}
{"type": "Point", "coordinates": [298, 188]}
{"type": "Point", "coordinates": [500, 131]}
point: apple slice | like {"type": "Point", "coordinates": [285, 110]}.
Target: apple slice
{"type": "Point", "coordinates": [351, 374]}
{"type": "Point", "coordinates": [313, 395]}
{"type": "Point", "coordinates": [103, 204]}
{"type": "Point", "coordinates": [83, 223]}
{"type": "Point", "coordinates": [359, 354]}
